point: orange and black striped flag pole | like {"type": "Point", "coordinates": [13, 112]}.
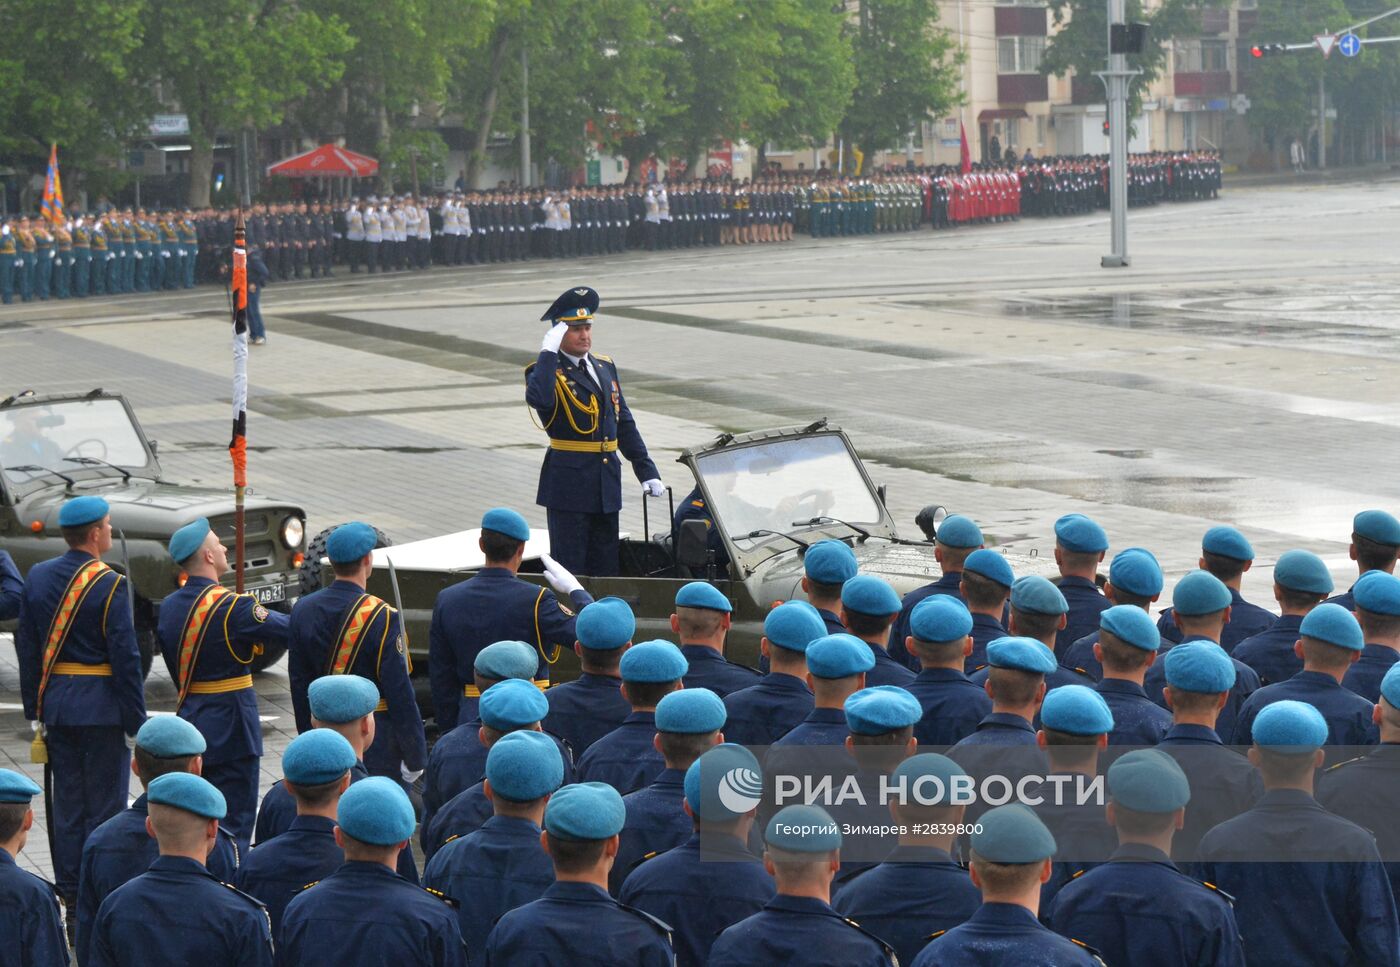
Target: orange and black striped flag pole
{"type": "Point", "coordinates": [238, 445]}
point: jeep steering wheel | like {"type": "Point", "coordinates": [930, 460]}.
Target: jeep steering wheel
{"type": "Point", "coordinates": [76, 449]}
{"type": "Point", "coordinates": [815, 495]}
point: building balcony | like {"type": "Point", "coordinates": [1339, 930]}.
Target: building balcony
{"type": "Point", "coordinates": [1203, 84]}
{"type": "Point", "coordinates": [1022, 88]}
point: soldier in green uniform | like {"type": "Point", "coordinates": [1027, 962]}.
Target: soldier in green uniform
{"type": "Point", "coordinates": [9, 261]}
{"type": "Point", "coordinates": [62, 260]}
{"type": "Point", "coordinates": [82, 256]}
{"type": "Point", "coordinates": [44, 256]}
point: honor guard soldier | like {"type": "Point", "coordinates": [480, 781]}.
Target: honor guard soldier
{"type": "Point", "coordinates": [940, 629]}
{"type": "Point", "coordinates": [209, 637]}
{"type": "Point", "coordinates": [316, 769]}
{"type": "Point", "coordinates": [1011, 851]}
{"type": "Point", "coordinates": [1376, 596]}
{"type": "Point", "coordinates": [1039, 612]}
{"type": "Point", "coordinates": [1375, 542]}
{"type": "Point", "coordinates": [836, 668]}
{"type": "Point", "coordinates": [798, 925]}
{"type": "Point", "coordinates": [121, 849]}
{"type": "Point", "coordinates": [496, 605]}
{"type": "Point", "coordinates": [766, 711]}
{"type": "Point", "coordinates": [591, 706]}
{"type": "Point", "coordinates": [711, 881]}
{"type": "Point", "coordinates": [578, 398]}
{"type": "Point", "coordinates": [1227, 554]}
{"type": "Point", "coordinates": [826, 567]}
{"type": "Point", "coordinates": [1127, 647]}
{"type": "Point", "coordinates": [501, 866]}
{"type": "Point", "coordinates": [1134, 578]}
{"type": "Point", "coordinates": [986, 588]}
{"type": "Point", "coordinates": [29, 917]}
{"type": "Point", "coordinates": [627, 757]}
{"type": "Point", "coordinates": [80, 677]}
{"type": "Point", "coordinates": [1138, 908]}
{"type": "Point", "coordinates": [1080, 544]}
{"type": "Point", "coordinates": [215, 925]}
{"type": "Point", "coordinates": [955, 539]}
{"type": "Point", "coordinates": [701, 622]}
{"type": "Point", "coordinates": [343, 630]}
{"type": "Point", "coordinates": [11, 587]}
{"type": "Point", "coordinates": [365, 913]}
{"type": "Point", "coordinates": [1289, 856]}
{"type": "Point", "coordinates": [581, 826]}
{"type": "Point", "coordinates": [868, 608]}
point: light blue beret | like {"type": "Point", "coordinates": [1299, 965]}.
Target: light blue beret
{"type": "Point", "coordinates": [16, 788]}
{"type": "Point", "coordinates": [939, 618]}
{"type": "Point", "coordinates": [1377, 592]}
{"type": "Point", "coordinates": [929, 765]}
{"type": "Point", "coordinates": [585, 811]}
{"type": "Point", "coordinates": [1136, 571]}
{"type": "Point", "coordinates": [722, 781]}
{"type": "Point", "coordinates": [793, 625]}
{"type": "Point", "coordinates": [991, 565]}
{"type": "Point", "coordinates": [1036, 595]}
{"type": "Point", "coordinates": [337, 699]}
{"type": "Point", "coordinates": [1302, 571]}
{"type": "Point", "coordinates": [1390, 686]}
{"type": "Point", "coordinates": [1199, 666]}
{"type": "Point", "coordinates": [829, 562]}
{"type": "Point", "coordinates": [170, 737]}
{"type": "Point", "coordinates": [1013, 834]}
{"type": "Point", "coordinates": [185, 541]}
{"type": "Point", "coordinates": [1021, 654]}
{"type": "Point", "coordinates": [839, 656]}
{"type": "Point", "coordinates": [524, 766]}
{"type": "Point", "coordinates": [82, 510]}
{"type": "Point", "coordinates": [1076, 709]}
{"type": "Point", "coordinates": [690, 711]}
{"type": "Point", "coordinates": [803, 829]}
{"type": "Point", "coordinates": [505, 521]}
{"type": "Point", "coordinates": [350, 542]}
{"type": "Point", "coordinates": [1227, 542]}
{"type": "Point", "coordinates": [959, 531]}
{"type": "Point", "coordinates": [377, 811]}
{"type": "Point", "coordinates": [653, 661]}
{"type": "Point", "coordinates": [1148, 781]}
{"type": "Point", "coordinates": [1200, 592]}
{"type": "Point", "coordinates": [698, 594]}
{"type": "Point", "coordinates": [867, 594]}
{"type": "Point", "coordinates": [1132, 625]}
{"type": "Point", "coordinates": [1378, 526]}
{"type": "Point", "coordinates": [881, 709]}
{"type": "Point", "coordinates": [605, 625]}
{"type": "Point", "coordinates": [1335, 625]}
{"type": "Point", "coordinates": [316, 757]}
{"type": "Point", "coordinates": [1080, 534]}
{"type": "Point", "coordinates": [184, 790]}
{"type": "Point", "coordinates": [1293, 728]}
{"type": "Point", "coordinates": [506, 659]}
{"type": "Point", "coordinates": [511, 704]}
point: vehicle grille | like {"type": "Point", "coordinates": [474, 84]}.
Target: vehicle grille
{"type": "Point", "coordinates": [261, 547]}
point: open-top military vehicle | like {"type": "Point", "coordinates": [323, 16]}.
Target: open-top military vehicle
{"type": "Point", "coordinates": [54, 447]}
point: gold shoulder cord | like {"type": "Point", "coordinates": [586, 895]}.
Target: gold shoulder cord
{"type": "Point", "coordinates": [539, 637]}
{"type": "Point", "coordinates": [591, 408]}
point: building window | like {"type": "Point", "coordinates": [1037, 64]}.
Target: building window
{"type": "Point", "coordinates": [1019, 55]}
{"type": "Point", "coordinates": [1020, 3]}
{"type": "Point", "coordinates": [1202, 56]}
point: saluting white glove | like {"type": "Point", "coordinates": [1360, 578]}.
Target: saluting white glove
{"type": "Point", "coordinates": [653, 487]}
{"type": "Point", "coordinates": [410, 776]}
{"type": "Point", "coordinates": [558, 577]}
{"type": "Point", "coordinates": [554, 338]}
{"type": "Point", "coordinates": [39, 727]}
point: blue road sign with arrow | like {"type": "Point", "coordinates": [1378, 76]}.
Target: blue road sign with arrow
{"type": "Point", "coordinates": [1349, 45]}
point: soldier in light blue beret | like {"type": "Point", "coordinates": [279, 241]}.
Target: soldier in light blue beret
{"type": "Point", "coordinates": [956, 539]}
{"type": "Point", "coordinates": [1075, 725]}
{"type": "Point", "coordinates": [1301, 582]}
{"type": "Point", "coordinates": [1375, 544]}
{"type": "Point", "coordinates": [827, 566]}
{"type": "Point", "coordinates": [986, 588]}
{"type": "Point", "coordinates": [1038, 613]}
{"type": "Point", "coordinates": [627, 757]}
{"type": "Point", "coordinates": [1227, 555]}
{"type": "Point", "coordinates": [836, 669]}
{"type": "Point", "coordinates": [701, 623]}
{"type": "Point", "coordinates": [1014, 679]}
{"type": "Point", "coordinates": [1126, 649]}
{"type": "Point", "coordinates": [940, 638]}
{"type": "Point", "coordinates": [591, 706]}
{"type": "Point", "coordinates": [1376, 597]}
{"type": "Point", "coordinates": [1134, 578]}
{"type": "Point", "coordinates": [1080, 544]}
{"type": "Point", "coordinates": [869, 607]}
{"type": "Point", "coordinates": [766, 711]}
{"type": "Point", "coordinates": [29, 916]}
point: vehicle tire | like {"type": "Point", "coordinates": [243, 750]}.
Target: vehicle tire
{"type": "Point", "coordinates": [309, 575]}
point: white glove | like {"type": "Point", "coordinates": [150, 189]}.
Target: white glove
{"type": "Point", "coordinates": [559, 579]}
{"type": "Point", "coordinates": [130, 741]}
{"type": "Point", "coordinates": [410, 776]}
{"type": "Point", "coordinates": [39, 727]}
{"type": "Point", "coordinates": [653, 487]}
{"type": "Point", "coordinates": [554, 338]}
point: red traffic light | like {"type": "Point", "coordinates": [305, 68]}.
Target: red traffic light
{"type": "Point", "coordinates": [1256, 51]}
{"type": "Point", "coordinates": [1105, 128]}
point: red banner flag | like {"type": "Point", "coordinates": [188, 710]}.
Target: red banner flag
{"type": "Point", "coordinates": [965, 154]}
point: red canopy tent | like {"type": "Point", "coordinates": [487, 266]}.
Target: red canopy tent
{"type": "Point", "coordinates": [327, 161]}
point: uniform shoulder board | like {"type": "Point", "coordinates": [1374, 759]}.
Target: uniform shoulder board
{"type": "Point", "coordinates": [606, 359]}
{"type": "Point", "coordinates": [978, 669]}
{"type": "Point", "coordinates": [1229, 897]}
{"type": "Point", "coordinates": [1078, 873]}
{"type": "Point", "coordinates": [442, 896]}
{"type": "Point", "coordinates": [310, 885]}
{"type": "Point", "coordinates": [247, 896]}
{"type": "Point", "coordinates": [1088, 950]}
{"type": "Point", "coordinates": [889, 951]}
{"type": "Point", "coordinates": [656, 922]}
{"type": "Point", "coordinates": [1340, 764]}
{"type": "Point", "coordinates": [697, 503]}
{"type": "Point", "coordinates": [451, 838]}
{"type": "Point", "coordinates": [935, 935]}
{"type": "Point", "coordinates": [1081, 671]}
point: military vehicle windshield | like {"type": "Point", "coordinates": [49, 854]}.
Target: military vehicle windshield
{"type": "Point", "coordinates": [66, 437]}
{"type": "Point", "coordinates": [774, 486]}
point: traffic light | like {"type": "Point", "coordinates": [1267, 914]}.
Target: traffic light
{"type": "Point", "coordinates": [1105, 129]}
{"type": "Point", "coordinates": [1264, 50]}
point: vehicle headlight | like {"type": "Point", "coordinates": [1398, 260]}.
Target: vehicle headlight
{"type": "Point", "coordinates": [293, 532]}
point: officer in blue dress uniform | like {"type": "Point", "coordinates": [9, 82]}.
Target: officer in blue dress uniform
{"type": "Point", "coordinates": [11, 587]}
{"type": "Point", "coordinates": [591, 706]}
{"type": "Point", "coordinates": [1134, 578]}
{"type": "Point", "coordinates": [711, 881]}
{"type": "Point", "coordinates": [343, 630]}
{"type": "Point", "coordinates": [1138, 908]}
{"type": "Point", "coordinates": [217, 924]}
{"type": "Point", "coordinates": [688, 723]}
{"type": "Point", "coordinates": [836, 666]}
{"type": "Point", "coordinates": [500, 866]}
{"type": "Point", "coordinates": [1127, 647]}
{"type": "Point", "coordinates": [1038, 613]}
{"type": "Point", "coordinates": [1376, 597]}
{"type": "Point", "coordinates": [798, 925]}
{"type": "Point", "coordinates": [1227, 554]}
{"type": "Point", "coordinates": [120, 849]}
{"type": "Point", "coordinates": [80, 678]}
{"type": "Point", "coordinates": [581, 826]}
{"type": "Point", "coordinates": [1375, 543]}
{"type": "Point", "coordinates": [868, 608]}
{"type": "Point", "coordinates": [1080, 544]}
{"type": "Point", "coordinates": [826, 567]}
{"type": "Point", "coordinates": [986, 587]}
{"type": "Point", "coordinates": [316, 768]}
{"type": "Point", "coordinates": [578, 398]}
{"type": "Point", "coordinates": [955, 539]}
{"type": "Point", "coordinates": [209, 637]}
{"type": "Point", "coordinates": [365, 913]}
{"type": "Point", "coordinates": [495, 605]}
{"type": "Point", "coordinates": [29, 917]}
{"type": "Point", "coordinates": [627, 758]}
{"type": "Point", "coordinates": [1309, 886]}
{"type": "Point", "coordinates": [1011, 853]}
{"type": "Point", "coordinates": [1301, 583]}
{"type": "Point", "coordinates": [940, 629]}
{"type": "Point", "coordinates": [701, 623]}
{"type": "Point", "coordinates": [918, 889]}
{"type": "Point", "coordinates": [763, 713]}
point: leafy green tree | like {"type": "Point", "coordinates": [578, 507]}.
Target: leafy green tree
{"type": "Point", "coordinates": [1283, 87]}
